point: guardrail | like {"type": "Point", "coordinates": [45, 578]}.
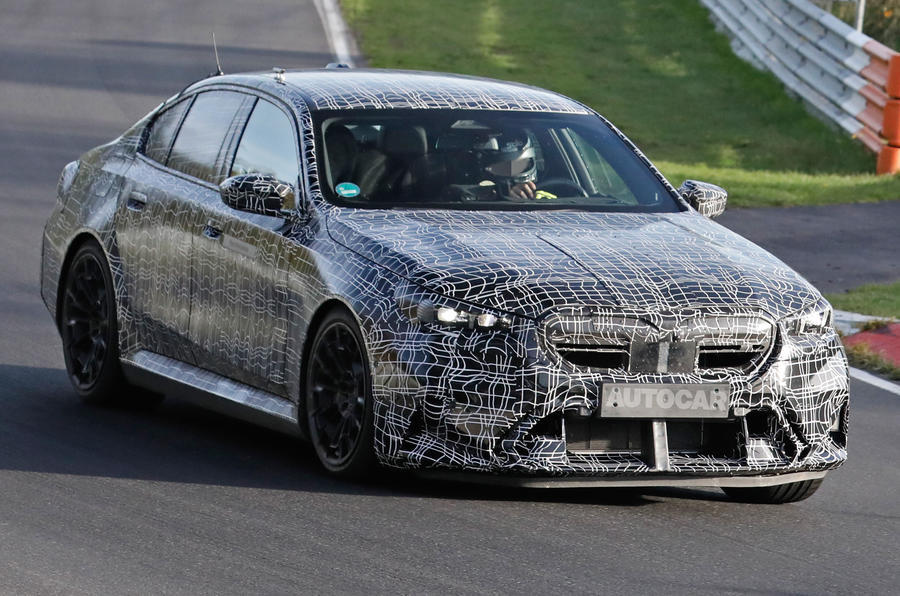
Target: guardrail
{"type": "Point", "coordinates": [847, 77]}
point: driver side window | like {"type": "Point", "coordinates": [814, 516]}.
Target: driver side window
{"type": "Point", "coordinates": [268, 145]}
{"type": "Point", "coordinates": [604, 178]}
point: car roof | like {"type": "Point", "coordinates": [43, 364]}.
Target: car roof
{"type": "Point", "coordinates": [345, 89]}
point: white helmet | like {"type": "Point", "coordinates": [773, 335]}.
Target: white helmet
{"type": "Point", "coordinates": [508, 157]}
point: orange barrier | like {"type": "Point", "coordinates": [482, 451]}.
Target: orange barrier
{"type": "Point", "coordinates": [846, 77]}
{"type": "Point", "coordinates": [887, 71]}
{"type": "Point", "coordinates": [889, 156]}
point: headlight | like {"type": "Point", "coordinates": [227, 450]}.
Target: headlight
{"type": "Point", "coordinates": [815, 320]}
{"type": "Point", "coordinates": [427, 312]}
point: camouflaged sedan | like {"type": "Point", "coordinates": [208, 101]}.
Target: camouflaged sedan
{"type": "Point", "coordinates": [468, 277]}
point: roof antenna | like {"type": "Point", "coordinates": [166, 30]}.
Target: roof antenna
{"type": "Point", "coordinates": [216, 51]}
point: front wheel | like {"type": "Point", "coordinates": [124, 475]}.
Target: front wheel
{"type": "Point", "coordinates": [339, 407]}
{"type": "Point", "coordinates": [775, 495]}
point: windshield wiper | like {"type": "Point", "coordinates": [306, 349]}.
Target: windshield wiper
{"type": "Point", "coordinates": [609, 199]}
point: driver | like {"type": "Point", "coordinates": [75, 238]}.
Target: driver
{"type": "Point", "coordinates": [500, 164]}
{"type": "Point", "coordinates": [509, 162]}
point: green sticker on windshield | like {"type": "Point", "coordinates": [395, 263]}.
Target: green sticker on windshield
{"type": "Point", "coordinates": [347, 189]}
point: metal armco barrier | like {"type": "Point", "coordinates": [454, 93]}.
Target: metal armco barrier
{"type": "Point", "coordinates": [847, 77]}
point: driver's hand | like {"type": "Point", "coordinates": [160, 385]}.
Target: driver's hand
{"type": "Point", "coordinates": [525, 190]}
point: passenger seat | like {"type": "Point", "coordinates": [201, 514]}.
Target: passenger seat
{"type": "Point", "coordinates": [405, 146]}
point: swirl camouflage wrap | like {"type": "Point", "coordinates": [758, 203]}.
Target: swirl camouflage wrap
{"type": "Point", "coordinates": [606, 342]}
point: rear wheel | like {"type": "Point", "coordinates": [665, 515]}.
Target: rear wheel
{"type": "Point", "coordinates": [88, 327]}
{"type": "Point", "coordinates": [339, 398]}
{"type": "Point", "coordinates": [90, 333]}
{"type": "Point", "coordinates": [783, 493]}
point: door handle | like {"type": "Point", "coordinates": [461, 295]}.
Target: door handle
{"type": "Point", "coordinates": [211, 231]}
{"type": "Point", "coordinates": [136, 201]}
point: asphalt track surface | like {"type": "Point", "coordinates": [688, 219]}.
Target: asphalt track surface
{"type": "Point", "coordinates": [179, 500]}
{"type": "Point", "coordinates": [836, 247]}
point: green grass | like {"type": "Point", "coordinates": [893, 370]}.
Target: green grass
{"type": "Point", "coordinates": [657, 69]}
{"type": "Point", "coordinates": [878, 300]}
{"type": "Point", "coordinates": [762, 188]}
{"type": "Point", "coordinates": [863, 356]}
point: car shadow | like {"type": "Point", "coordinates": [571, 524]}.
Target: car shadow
{"type": "Point", "coordinates": [47, 429]}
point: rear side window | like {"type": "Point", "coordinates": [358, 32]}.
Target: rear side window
{"type": "Point", "coordinates": [268, 145]}
{"type": "Point", "coordinates": [163, 131]}
{"type": "Point", "coordinates": [196, 149]}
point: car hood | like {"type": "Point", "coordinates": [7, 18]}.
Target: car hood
{"type": "Point", "coordinates": [529, 262]}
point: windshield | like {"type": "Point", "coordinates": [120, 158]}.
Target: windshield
{"type": "Point", "coordinates": [481, 160]}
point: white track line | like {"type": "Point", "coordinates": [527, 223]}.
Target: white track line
{"type": "Point", "coordinates": [861, 375]}
{"type": "Point", "coordinates": [335, 30]}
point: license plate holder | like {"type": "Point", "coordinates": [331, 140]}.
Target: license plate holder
{"type": "Point", "coordinates": [664, 400]}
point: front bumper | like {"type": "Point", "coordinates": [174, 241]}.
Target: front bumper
{"type": "Point", "coordinates": [494, 402]}
{"type": "Point", "coordinates": [643, 481]}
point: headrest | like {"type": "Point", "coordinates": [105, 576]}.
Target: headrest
{"type": "Point", "coordinates": [341, 147]}
{"type": "Point", "coordinates": [405, 140]}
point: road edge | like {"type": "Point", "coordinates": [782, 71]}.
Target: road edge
{"type": "Point", "coordinates": [875, 380]}
{"type": "Point", "coordinates": [341, 40]}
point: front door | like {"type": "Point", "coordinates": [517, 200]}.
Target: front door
{"type": "Point", "coordinates": [240, 302]}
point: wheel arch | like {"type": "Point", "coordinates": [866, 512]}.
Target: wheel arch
{"type": "Point", "coordinates": [78, 240]}
{"type": "Point", "coordinates": [326, 306]}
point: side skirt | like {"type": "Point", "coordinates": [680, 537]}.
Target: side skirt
{"type": "Point", "coordinates": [212, 391]}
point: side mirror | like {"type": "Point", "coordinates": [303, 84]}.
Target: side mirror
{"type": "Point", "coordinates": [257, 193]}
{"type": "Point", "coordinates": [706, 198]}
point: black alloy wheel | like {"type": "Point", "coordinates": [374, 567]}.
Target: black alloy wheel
{"type": "Point", "coordinates": [339, 397]}
{"type": "Point", "coordinates": [90, 333]}
{"type": "Point", "coordinates": [87, 323]}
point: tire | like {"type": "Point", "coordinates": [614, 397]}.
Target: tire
{"type": "Point", "coordinates": [89, 329]}
{"type": "Point", "coordinates": [338, 398]}
{"type": "Point", "coordinates": [775, 495]}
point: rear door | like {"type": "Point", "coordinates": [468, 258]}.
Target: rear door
{"type": "Point", "coordinates": [240, 303]}
{"type": "Point", "coordinates": [158, 216]}
{"type": "Point", "coordinates": [154, 241]}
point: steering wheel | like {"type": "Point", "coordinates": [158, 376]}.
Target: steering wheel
{"type": "Point", "coordinates": [562, 183]}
